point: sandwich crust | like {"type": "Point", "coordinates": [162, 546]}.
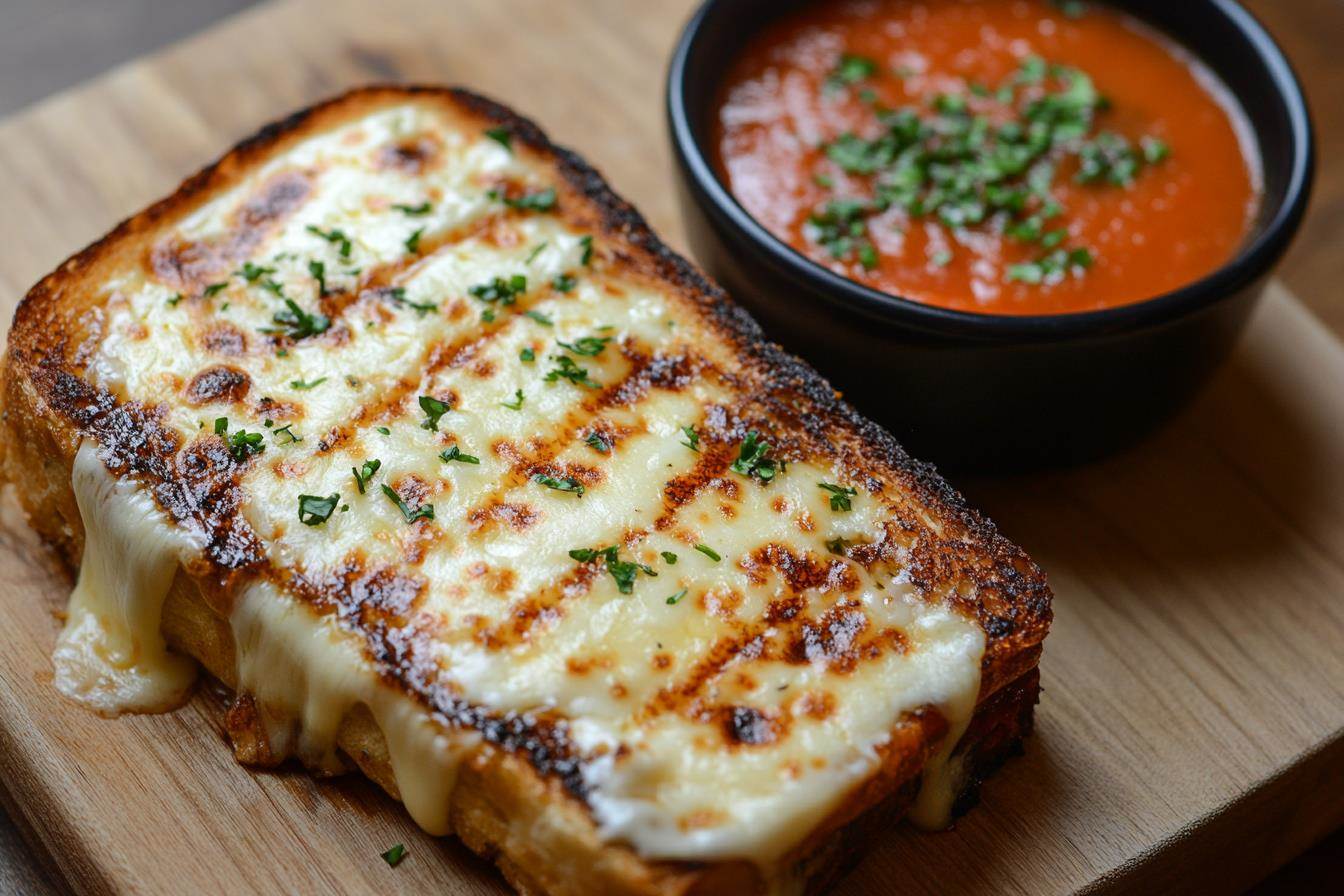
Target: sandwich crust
{"type": "Point", "coordinates": [520, 799]}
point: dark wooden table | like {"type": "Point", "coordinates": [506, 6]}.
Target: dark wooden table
{"type": "Point", "coordinates": [47, 45]}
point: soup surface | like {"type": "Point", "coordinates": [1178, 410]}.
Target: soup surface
{"type": "Point", "coordinates": [998, 156]}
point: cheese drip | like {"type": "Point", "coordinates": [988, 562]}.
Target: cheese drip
{"type": "Point", "coordinates": [306, 676]}
{"type": "Point", "coordinates": [111, 655]}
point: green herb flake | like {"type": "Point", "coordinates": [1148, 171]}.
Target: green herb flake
{"type": "Point", "coordinates": [670, 558]}
{"type": "Point", "coordinates": [500, 290]}
{"type": "Point", "coordinates": [708, 552]}
{"type": "Point", "coordinates": [838, 546]}
{"type": "Point", "coordinates": [300, 384]}
{"type": "Point", "coordinates": [454, 453]}
{"type": "Point", "coordinates": [297, 323]}
{"type": "Point", "coordinates": [586, 244]}
{"type": "Point", "coordinates": [384, 430]}
{"type": "Point", "coordinates": [423, 512]}
{"type": "Point", "coordinates": [850, 69]}
{"type": "Point", "coordinates": [434, 409]}
{"type": "Point", "coordinates": [676, 598]}
{"type": "Point", "coordinates": [537, 201]}
{"type": "Point", "coordinates": [414, 211]}
{"type": "Point", "coordinates": [318, 270]}
{"type": "Point", "coordinates": [172, 300]}
{"type": "Point", "coordinates": [517, 403]}
{"type": "Point", "coordinates": [394, 855]}
{"type": "Point", "coordinates": [568, 370]}
{"type": "Point", "coordinates": [752, 459]}
{"type": "Point", "coordinates": [412, 243]}
{"type": "Point", "coordinates": [336, 237]}
{"type": "Point", "coordinates": [285, 435]}
{"type": "Point", "coordinates": [315, 510]}
{"type": "Point", "coordinates": [362, 476]}
{"type": "Point", "coordinates": [561, 484]}
{"type": "Point", "coordinates": [527, 355]}
{"type": "Point", "coordinates": [539, 318]}
{"type": "Point", "coordinates": [586, 346]}
{"type": "Point", "coordinates": [253, 272]}
{"type": "Point", "coordinates": [502, 136]}
{"type": "Point", "coordinates": [692, 440]}
{"type": "Point", "coordinates": [397, 295]}
{"type": "Point", "coordinates": [598, 443]}
{"type": "Point", "coordinates": [564, 283]}
{"type": "Point", "coordinates": [532, 256]}
{"type": "Point", "coordinates": [623, 572]}
{"type": "Point", "coordinates": [214, 289]}
{"type": "Point", "coordinates": [840, 496]}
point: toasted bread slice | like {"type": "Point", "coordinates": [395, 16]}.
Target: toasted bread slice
{"type": "Point", "coordinates": [408, 429]}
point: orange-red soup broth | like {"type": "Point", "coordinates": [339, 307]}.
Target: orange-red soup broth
{"type": "Point", "coordinates": [901, 144]}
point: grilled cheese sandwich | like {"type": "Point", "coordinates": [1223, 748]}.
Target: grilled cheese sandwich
{"type": "Point", "coordinates": [477, 475]}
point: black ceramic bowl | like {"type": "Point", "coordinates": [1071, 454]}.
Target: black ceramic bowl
{"type": "Point", "coordinates": [990, 391]}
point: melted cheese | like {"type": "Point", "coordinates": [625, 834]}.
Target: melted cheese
{"type": "Point", "coordinates": [111, 655]}
{"type": "Point", "coordinates": [624, 670]}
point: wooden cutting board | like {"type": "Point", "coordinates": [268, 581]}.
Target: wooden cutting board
{"type": "Point", "coordinates": [1191, 733]}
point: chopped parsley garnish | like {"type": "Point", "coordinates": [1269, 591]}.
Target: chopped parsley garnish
{"type": "Point", "coordinates": [538, 201]}
{"type": "Point", "coordinates": [502, 137]}
{"type": "Point", "coordinates": [505, 292]}
{"type": "Point", "coordinates": [692, 438]}
{"type": "Point", "coordinates": [532, 256]}
{"type": "Point", "coordinates": [599, 444]}
{"type": "Point", "coordinates": [670, 557]}
{"type": "Point", "coordinates": [840, 496]}
{"type": "Point", "coordinates": [527, 355]}
{"type": "Point", "coordinates": [300, 323]}
{"type": "Point", "coordinates": [708, 552]}
{"type": "Point", "coordinates": [564, 283]}
{"type": "Point", "coordinates": [752, 458]}
{"type": "Point", "coordinates": [423, 512]}
{"type": "Point", "coordinates": [315, 510]}
{"type": "Point", "coordinates": [976, 156]}
{"type": "Point", "coordinates": [300, 384]}
{"type": "Point", "coordinates": [285, 435]}
{"type": "Point", "coordinates": [253, 272]}
{"type": "Point", "coordinates": [568, 370]}
{"type": "Point", "coordinates": [384, 430]}
{"type": "Point", "coordinates": [398, 296]}
{"type": "Point", "coordinates": [412, 243]}
{"type": "Point", "coordinates": [174, 299]}
{"type": "Point", "coordinates": [242, 444]}
{"type": "Point", "coordinates": [587, 346]}
{"type": "Point", "coordinates": [563, 484]}
{"type": "Point", "coordinates": [517, 403]}
{"type": "Point", "coordinates": [676, 598]}
{"type": "Point", "coordinates": [454, 453]}
{"type": "Point", "coordinates": [851, 69]}
{"type": "Point", "coordinates": [1052, 267]}
{"type": "Point", "coordinates": [214, 289]}
{"type": "Point", "coordinates": [586, 243]}
{"type": "Point", "coordinates": [838, 546]}
{"type": "Point", "coordinates": [394, 855]}
{"type": "Point", "coordinates": [624, 572]}
{"type": "Point", "coordinates": [318, 270]}
{"type": "Point", "coordinates": [335, 237]}
{"type": "Point", "coordinates": [362, 476]}
{"type": "Point", "coordinates": [539, 318]}
{"type": "Point", "coordinates": [414, 210]}
{"type": "Point", "coordinates": [434, 409]}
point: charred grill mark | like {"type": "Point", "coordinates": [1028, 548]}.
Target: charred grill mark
{"type": "Point", "coordinates": [220, 383]}
{"type": "Point", "coordinates": [411, 155]}
{"type": "Point", "coordinates": [517, 516]}
{"type": "Point", "coordinates": [748, 726]}
{"type": "Point", "coordinates": [197, 486]}
{"type": "Point", "coordinates": [801, 572]}
{"type": "Point", "coordinates": [224, 339]}
{"type": "Point", "coordinates": [189, 265]}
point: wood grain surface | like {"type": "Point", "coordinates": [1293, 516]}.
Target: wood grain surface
{"type": "Point", "coordinates": [1192, 727]}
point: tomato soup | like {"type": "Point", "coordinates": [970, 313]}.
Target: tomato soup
{"type": "Point", "coordinates": [997, 156]}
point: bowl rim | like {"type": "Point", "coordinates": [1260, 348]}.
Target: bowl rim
{"type": "Point", "coordinates": [1255, 258]}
